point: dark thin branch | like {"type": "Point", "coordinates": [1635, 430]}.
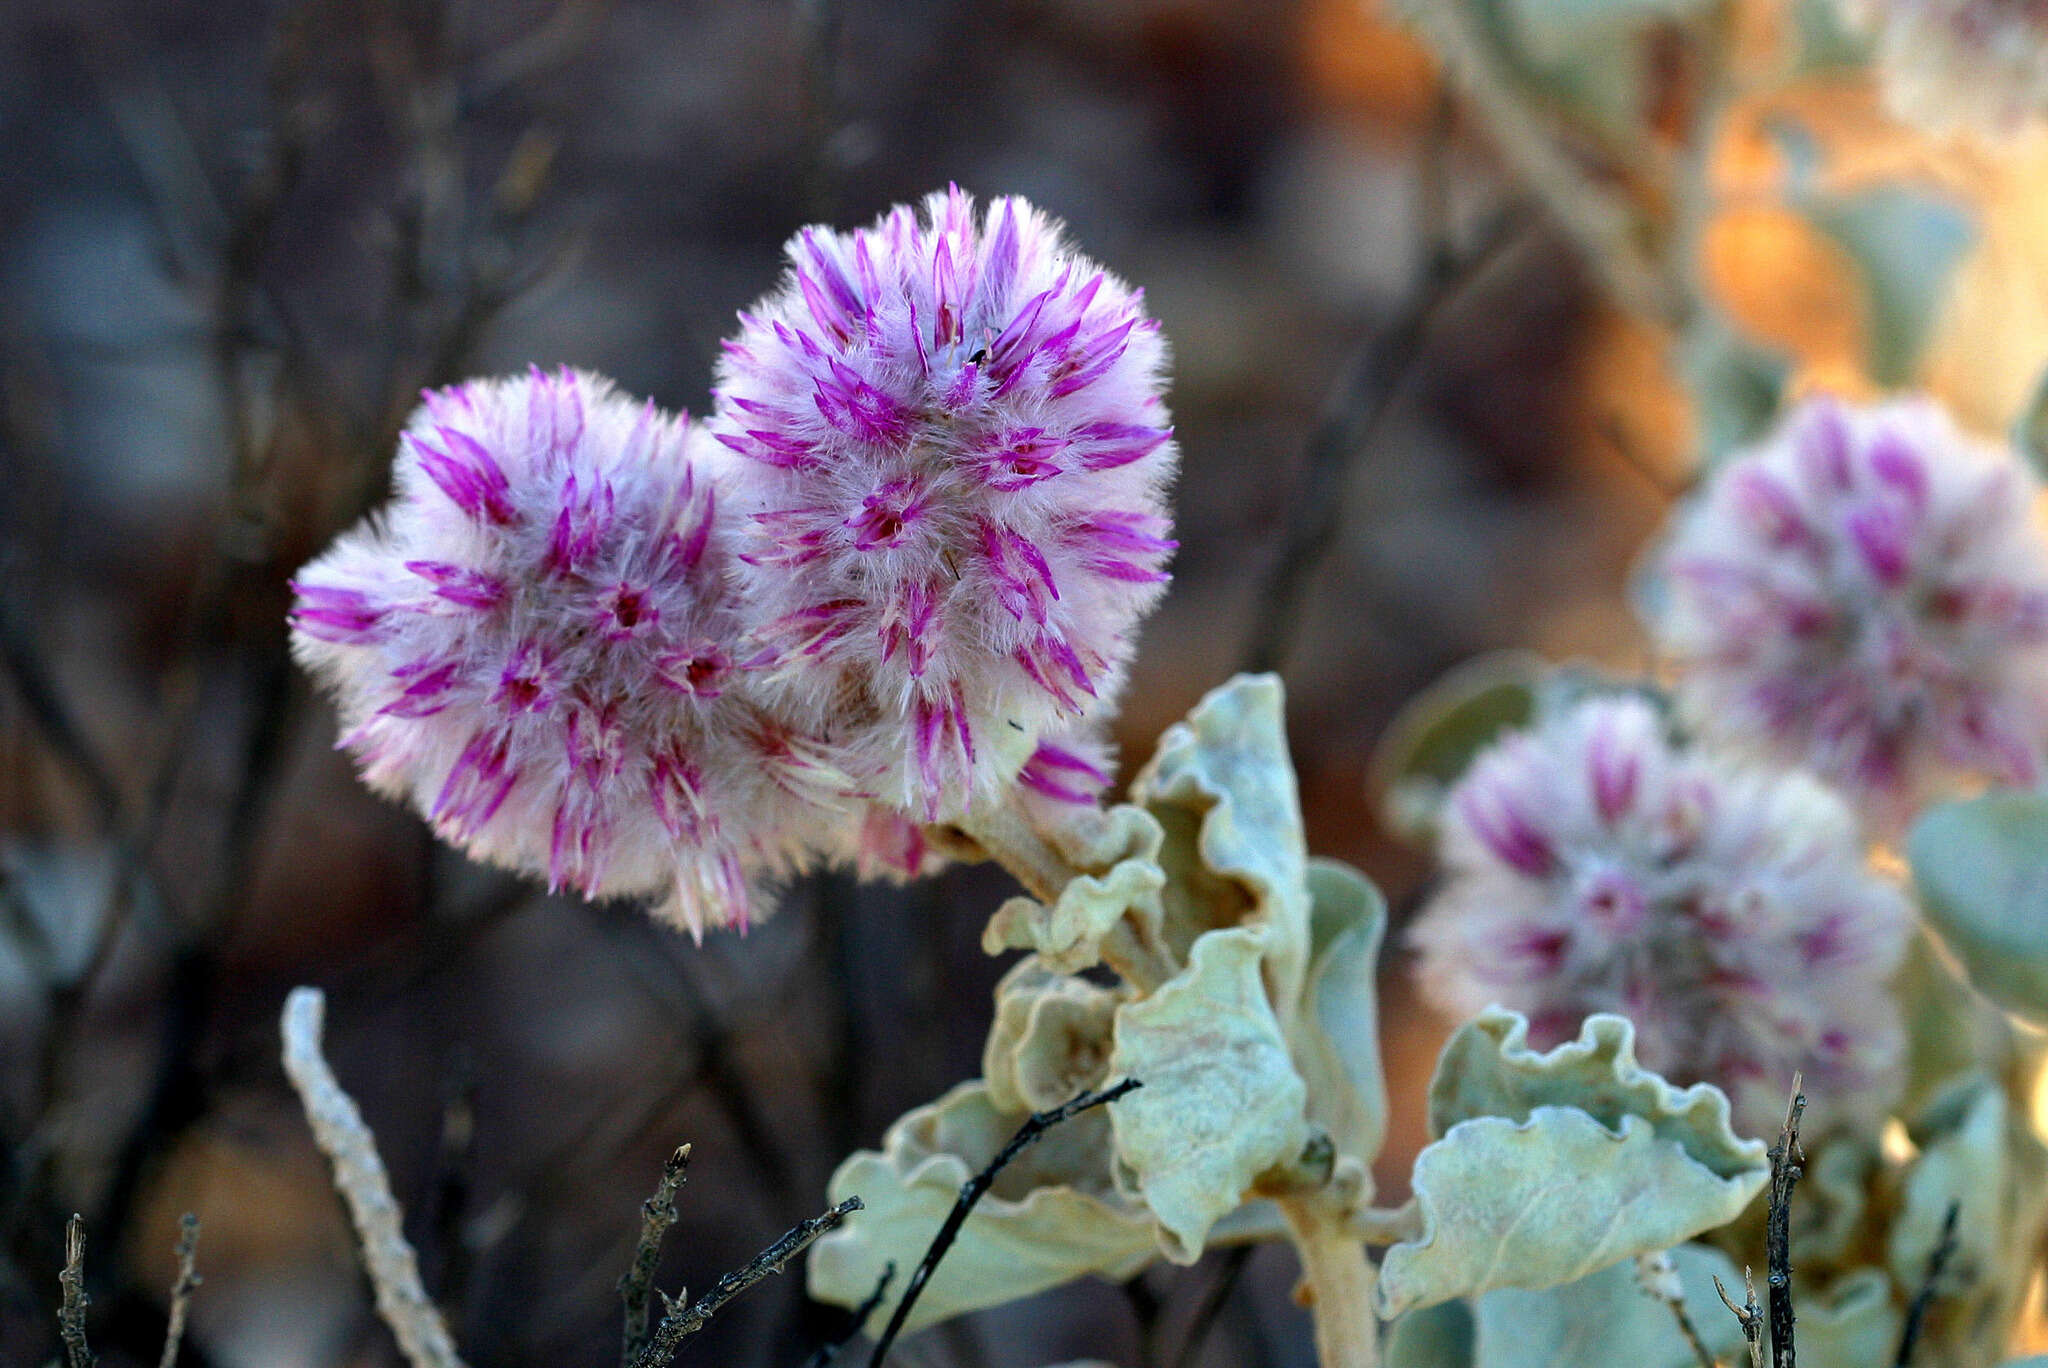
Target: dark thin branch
{"type": "Point", "coordinates": [1787, 1161]}
{"type": "Point", "coordinates": [972, 1191]}
{"type": "Point", "coordinates": [71, 1312]}
{"type": "Point", "coordinates": [1749, 1316]}
{"type": "Point", "coordinates": [181, 1290]}
{"type": "Point", "coordinates": [1351, 419]}
{"type": "Point", "coordinates": [1214, 1299]}
{"type": "Point", "coordinates": [657, 1214]}
{"type": "Point", "coordinates": [1937, 1262]}
{"type": "Point", "coordinates": [44, 702]}
{"type": "Point", "coordinates": [678, 1321]}
{"type": "Point", "coordinates": [858, 1320]}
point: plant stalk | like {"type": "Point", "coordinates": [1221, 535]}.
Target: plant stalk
{"type": "Point", "coordinates": [1339, 1281]}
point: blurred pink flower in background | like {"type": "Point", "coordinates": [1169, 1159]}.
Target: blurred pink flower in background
{"type": "Point", "coordinates": [1591, 865]}
{"type": "Point", "coordinates": [1866, 593]}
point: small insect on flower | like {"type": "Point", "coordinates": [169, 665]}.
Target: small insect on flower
{"type": "Point", "coordinates": [1592, 865]}
{"type": "Point", "coordinates": [948, 440]}
{"type": "Point", "coordinates": [1950, 65]}
{"type": "Point", "coordinates": [1866, 593]}
{"type": "Point", "coordinates": [538, 643]}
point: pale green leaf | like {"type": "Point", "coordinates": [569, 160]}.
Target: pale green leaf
{"type": "Point", "coordinates": [1068, 934]}
{"type": "Point", "coordinates": [1221, 1102]}
{"type": "Point", "coordinates": [1488, 1069]}
{"type": "Point", "coordinates": [1336, 1037]}
{"type": "Point", "coordinates": [1436, 734]}
{"type": "Point", "coordinates": [1963, 1159]}
{"type": "Point", "coordinates": [1222, 785]}
{"type": "Point", "coordinates": [1982, 869]}
{"type": "Point", "coordinates": [1437, 1336]}
{"type": "Point", "coordinates": [1855, 1324]}
{"type": "Point", "coordinates": [1549, 1200]}
{"type": "Point", "coordinates": [1050, 1040]}
{"type": "Point", "coordinates": [1907, 243]}
{"type": "Point", "coordinates": [1052, 1216]}
{"type": "Point", "coordinates": [1608, 1321]}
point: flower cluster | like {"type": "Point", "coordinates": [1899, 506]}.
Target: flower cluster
{"type": "Point", "coordinates": [1961, 64]}
{"type": "Point", "coordinates": [1866, 593]}
{"type": "Point", "coordinates": [895, 579]}
{"type": "Point", "coordinates": [1591, 865]}
{"type": "Point", "coordinates": [950, 450]}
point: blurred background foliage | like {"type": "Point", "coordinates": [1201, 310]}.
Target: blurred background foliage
{"type": "Point", "coordinates": [1424, 415]}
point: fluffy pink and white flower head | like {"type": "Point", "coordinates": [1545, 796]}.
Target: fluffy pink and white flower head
{"type": "Point", "coordinates": [1866, 593]}
{"type": "Point", "coordinates": [1592, 865]}
{"type": "Point", "coordinates": [539, 644]}
{"type": "Point", "coordinates": [1950, 65]}
{"type": "Point", "coordinates": [949, 443]}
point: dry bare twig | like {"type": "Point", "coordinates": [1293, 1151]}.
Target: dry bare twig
{"type": "Point", "coordinates": [339, 1130]}
{"type": "Point", "coordinates": [1749, 1316]}
{"type": "Point", "coordinates": [857, 1320]}
{"type": "Point", "coordinates": [181, 1290]}
{"type": "Point", "coordinates": [71, 1311]}
{"type": "Point", "coordinates": [657, 1214]}
{"type": "Point", "coordinates": [1937, 1262]}
{"type": "Point", "coordinates": [679, 1321]}
{"type": "Point", "coordinates": [972, 1191]}
{"type": "Point", "coordinates": [1787, 1161]}
{"type": "Point", "coordinates": [1658, 1276]}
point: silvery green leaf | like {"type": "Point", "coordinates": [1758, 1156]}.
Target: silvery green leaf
{"type": "Point", "coordinates": [1963, 1158]}
{"type": "Point", "coordinates": [1834, 1196]}
{"type": "Point", "coordinates": [1907, 242]}
{"type": "Point", "coordinates": [1856, 1322]}
{"type": "Point", "coordinates": [1436, 734]}
{"type": "Point", "coordinates": [1337, 1035]}
{"type": "Point", "coordinates": [1549, 1199]}
{"type": "Point", "coordinates": [1050, 1040]}
{"type": "Point", "coordinates": [1121, 880]}
{"type": "Point", "coordinates": [1736, 385]}
{"type": "Point", "coordinates": [1608, 1321]}
{"type": "Point", "coordinates": [1052, 1216]}
{"type": "Point", "coordinates": [1437, 1336]}
{"type": "Point", "coordinates": [1981, 866]}
{"type": "Point", "coordinates": [1488, 1069]}
{"type": "Point", "coordinates": [1221, 1102]}
{"type": "Point", "coordinates": [1951, 1028]}
{"type": "Point", "coordinates": [1222, 786]}
{"type": "Point", "coordinates": [2030, 429]}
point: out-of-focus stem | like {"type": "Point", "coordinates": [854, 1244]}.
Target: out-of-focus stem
{"type": "Point", "coordinates": [1340, 1282]}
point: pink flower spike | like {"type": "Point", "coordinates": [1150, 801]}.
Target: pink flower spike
{"type": "Point", "coordinates": [534, 645]}
{"type": "Point", "coordinates": [995, 392]}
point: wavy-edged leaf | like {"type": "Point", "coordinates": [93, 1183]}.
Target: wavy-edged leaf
{"type": "Point", "coordinates": [1608, 1321]}
{"type": "Point", "coordinates": [1051, 1037]}
{"type": "Point", "coordinates": [1981, 866]}
{"type": "Point", "coordinates": [1337, 1036]}
{"type": "Point", "coordinates": [1549, 1200]}
{"type": "Point", "coordinates": [1052, 1216]}
{"type": "Point", "coordinates": [1222, 786]}
{"type": "Point", "coordinates": [1121, 879]}
{"type": "Point", "coordinates": [1221, 1102]}
{"type": "Point", "coordinates": [1488, 1069]}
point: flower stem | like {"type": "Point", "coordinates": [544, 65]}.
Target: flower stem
{"type": "Point", "coordinates": [1013, 843]}
{"type": "Point", "coordinates": [1339, 1281]}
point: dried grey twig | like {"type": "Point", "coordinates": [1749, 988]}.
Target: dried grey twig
{"type": "Point", "coordinates": [1937, 1262]}
{"type": "Point", "coordinates": [181, 1290]}
{"type": "Point", "coordinates": [679, 1321]}
{"type": "Point", "coordinates": [71, 1311]}
{"type": "Point", "coordinates": [359, 1176]}
{"type": "Point", "coordinates": [971, 1191]}
{"type": "Point", "coordinates": [1749, 1316]}
{"type": "Point", "coordinates": [1658, 1276]}
{"type": "Point", "coordinates": [1787, 1161]}
{"type": "Point", "coordinates": [657, 1214]}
